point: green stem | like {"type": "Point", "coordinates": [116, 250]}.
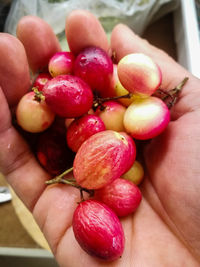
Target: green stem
{"type": "Point", "coordinates": [58, 178]}
{"type": "Point", "coordinates": [38, 94]}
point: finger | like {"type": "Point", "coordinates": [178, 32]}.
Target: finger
{"type": "Point", "coordinates": [83, 29]}
{"type": "Point", "coordinates": [124, 41]}
{"type": "Point", "coordinates": [39, 41]}
{"type": "Point", "coordinates": [17, 162]}
{"type": "Point", "coordinates": [14, 69]}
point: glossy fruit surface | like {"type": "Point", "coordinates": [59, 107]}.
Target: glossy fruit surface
{"type": "Point", "coordinates": [41, 80]}
{"type": "Point", "coordinates": [122, 196]}
{"type": "Point", "coordinates": [146, 118]}
{"type": "Point", "coordinates": [139, 74]}
{"type": "Point", "coordinates": [95, 67]}
{"type": "Point", "coordinates": [68, 96]}
{"type": "Point", "coordinates": [61, 63]}
{"type": "Point", "coordinates": [82, 128]}
{"type": "Point", "coordinates": [102, 158]}
{"type": "Point", "coordinates": [98, 230]}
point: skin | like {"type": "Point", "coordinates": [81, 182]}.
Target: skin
{"type": "Point", "coordinates": [164, 231]}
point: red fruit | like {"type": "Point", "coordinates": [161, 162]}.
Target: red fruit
{"type": "Point", "coordinates": [102, 158]}
{"type": "Point", "coordinates": [41, 80]}
{"type": "Point", "coordinates": [52, 151]}
{"type": "Point", "coordinates": [95, 67]}
{"type": "Point", "coordinates": [81, 129]}
{"type": "Point", "coordinates": [131, 149]}
{"type": "Point", "coordinates": [98, 230]}
{"type": "Point", "coordinates": [68, 96]}
{"type": "Point", "coordinates": [122, 196]}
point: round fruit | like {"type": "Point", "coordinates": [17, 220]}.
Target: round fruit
{"type": "Point", "coordinates": [98, 230]}
{"type": "Point", "coordinates": [52, 151]}
{"type": "Point", "coordinates": [102, 158]}
{"type": "Point", "coordinates": [139, 74]}
{"type": "Point", "coordinates": [112, 115]}
{"type": "Point", "coordinates": [41, 80]}
{"type": "Point", "coordinates": [135, 174]}
{"type": "Point", "coordinates": [81, 129]}
{"type": "Point", "coordinates": [95, 67]}
{"type": "Point", "coordinates": [68, 96]}
{"type": "Point", "coordinates": [146, 118]}
{"type": "Point", "coordinates": [61, 63]}
{"type": "Point", "coordinates": [32, 115]}
{"type": "Point", "coordinates": [122, 196]}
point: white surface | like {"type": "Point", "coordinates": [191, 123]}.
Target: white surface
{"type": "Point", "coordinates": [187, 36]}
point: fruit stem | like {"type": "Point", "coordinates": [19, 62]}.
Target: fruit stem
{"type": "Point", "coordinates": [98, 101]}
{"type": "Point", "coordinates": [58, 178]}
{"type": "Point", "coordinates": [38, 95]}
{"type": "Point", "coordinates": [172, 94]}
{"type": "Point", "coordinates": [70, 181]}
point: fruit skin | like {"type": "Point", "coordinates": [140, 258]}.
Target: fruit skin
{"type": "Point", "coordinates": [135, 174]}
{"type": "Point", "coordinates": [82, 128]}
{"type": "Point", "coordinates": [95, 67]}
{"type": "Point", "coordinates": [52, 150]}
{"type": "Point", "coordinates": [98, 230]}
{"type": "Point", "coordinates": [112, 115]}
{"type": "Point", "coordinates": [102, 158]}
{"type": "Point", "coordinates": [146, 118]}
{"type": "Point", "coordinates": [14, 70]}
{"type": "Point", "coordinates": [122, 196]}
{"type": "Point", "coordinates": [139, 74]}
{"type": "Point", "coordinates": [68, 96]}
{"type": "Point", "coordinates": [41, 80]}
{"type": "Point", "coordinates": [33, 116]}
{"type": "Point", "coordinates": [61, 63]}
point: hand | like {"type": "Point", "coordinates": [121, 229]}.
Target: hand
{"type": "Point", "coordinates": [165, 229]}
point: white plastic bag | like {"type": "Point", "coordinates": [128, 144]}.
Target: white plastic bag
{"type": "Point", "coordinates": [135, 13]}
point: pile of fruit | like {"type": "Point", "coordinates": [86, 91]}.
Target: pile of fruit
{"type": "Point", "coordinates": [88, 114]}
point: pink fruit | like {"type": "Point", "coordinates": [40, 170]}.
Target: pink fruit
{"type": "Point", "coordinates": [33, 116]}
{"type": "Point", "coordinates": [132, 150]}
{"type": "Point", "coordinates": [146, 118]}
{"type": "Point", "coordinates": [112, 115]}
{"type": "Point", "coordinates": [81, 129]}
{"type": "Point", "coordinates": [61, 63]}
{"type": "Point", "coordinates": [98, 230]}
{"type": "Point", "coordinates": [135, 174]}
{"type": "Point", "coordinates": [139, 74]}
{"type": "Point", "coordinates": [95, 67]}
{"type": "Point", "coordinates": [68, 96]}
{"type": "Point", "coordinates": [102, 158]}
{"type": "Point", "coordinates": [41, 80]}
{"type": "Point", "coordinates": [122, 196]}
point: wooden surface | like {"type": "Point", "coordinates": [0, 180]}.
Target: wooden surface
{"type": "Point", "coordinates": [12, 230]}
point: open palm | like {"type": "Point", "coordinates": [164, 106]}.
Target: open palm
{"type": "Point", "coordinates": [165, 229]}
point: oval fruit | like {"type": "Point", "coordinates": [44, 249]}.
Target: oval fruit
{"type": "Point", "coordinates": [68, 96]}
{"type": "Point", "coordinates": [146, 118]}
{"type": "Point", "coordinates": [102, 158]}
{"type": "Point", "coordinates": [122, 196]}
{"type": "Point", "coordinates": [139, 74]}
{"type": "Point", "coordinates": [98, 230]}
